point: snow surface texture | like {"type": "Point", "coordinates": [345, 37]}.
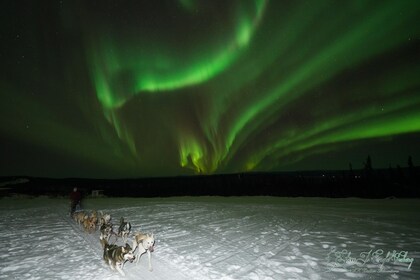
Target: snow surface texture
{"type": "Point", "coordinates": [218, 238]}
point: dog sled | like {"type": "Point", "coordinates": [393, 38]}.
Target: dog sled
{"type": "Point", "coordinates": [116, 250]}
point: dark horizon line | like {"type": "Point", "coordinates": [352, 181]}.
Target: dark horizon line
{"type": "Point", "coordinates": [295, 172]}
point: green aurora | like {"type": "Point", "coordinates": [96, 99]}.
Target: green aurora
{"type": "Point", "coordinates": [165, 88]}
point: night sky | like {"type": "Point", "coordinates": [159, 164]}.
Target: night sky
{"type": "Point", "coordinates": [113, 89]}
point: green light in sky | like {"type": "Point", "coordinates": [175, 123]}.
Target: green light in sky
{"type": "Point", "coordinates": [195, 157]}
{"type": "Point", "coordinates": [188, 5]}
{"type": "Point", "coordinates": [346, 50]}
{"type": "Point", "coordinates": [161, 88]}
{"type": "Point", "coordinates": [251, 73]}
{"type": "Point", "coordinates": [120, 72]}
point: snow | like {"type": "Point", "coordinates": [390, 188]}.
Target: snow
{"type": "Point", "coordinates": [218, 238]}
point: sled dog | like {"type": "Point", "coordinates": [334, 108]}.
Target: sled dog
{"type": "Point", "coordinates": [79, 217]}
{"type": "Point", "coordinates": [144, 243]}
{"type": "Point", "coordinates": [89, 224]}
{"type": "Point", "coordinates": [106, 231]}
{"type": "Point", "coordinates": [104, 219]}
{"type": "Point", "coordinates": [124, 229]}
{"type": "Point", "coordinates": [94, 215]}
{"type": "Point", "coordinates": [115, 256]}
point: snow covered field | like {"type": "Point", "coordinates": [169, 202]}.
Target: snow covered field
{"type": "Point", "coordinates": [219, 238]}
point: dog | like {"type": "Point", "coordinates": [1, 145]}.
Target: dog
{"type": "Point", "coordinates": [79, 217]}
{"type": "Point", "coordinates": [144, 243]}
{"type": "Point", "coordinates": [106, 232]}
{"type": "Point", "coordinates": [124, 229]}
{"type": "Point", "coordinates": [89, 224]}
{"type": "Point", "coordinates": [94, 219]}
{"type": "Point", "coordinates": [116, 256]}
{"type": "Point", "coordinates": [94, 214]}
{"type": "Point", "coordinates": [104, 219]}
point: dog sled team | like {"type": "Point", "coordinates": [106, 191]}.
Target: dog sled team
{"type": "Point", "coordinates": [116, 255]}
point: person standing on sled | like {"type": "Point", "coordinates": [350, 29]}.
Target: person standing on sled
{"type": "Point", "coordinates": [75, 198]}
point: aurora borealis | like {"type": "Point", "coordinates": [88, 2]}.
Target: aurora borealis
{"type": "Point", "coordinates": [112, 89]}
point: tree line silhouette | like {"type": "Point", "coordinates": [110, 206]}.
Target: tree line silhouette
{"type": "Point", "coordinates": [367, 182]}
{"type": "Point", "coordinates": [399, 175]}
